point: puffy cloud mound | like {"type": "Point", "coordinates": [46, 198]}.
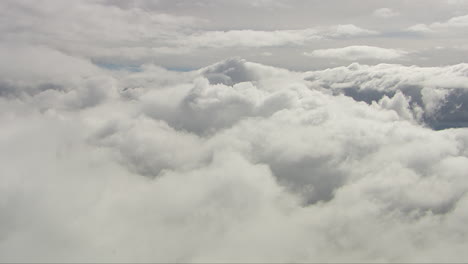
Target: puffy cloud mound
{"type": "Point", "coordinates": [237, 162]}
{"type": "Point", "coordinates": [436, 95]}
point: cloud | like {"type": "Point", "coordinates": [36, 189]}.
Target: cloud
{"type": "Point", "coordinates": [237, 161]}
{"type": "Point", "coordinates": [436, 94]}
{"type": "Point", "coordinates": [107, 31]}
{"type": "Point", "coordinates": [51, 78]}
{"type": "Point", "coordinates": [251, 38]}
{"type": "Point", "coordinates": [186, 35]}
{"type": "Point", "coordinates": [247, 38]}
{"type": "Point", "coordinates": [453, 24]}
{"type": "Point", "coordinates": [349, 30]}
{"type": "Point", "coordinates": [420, 28]}
{"type": "Point", "coordinates": [255, 38]}
{"type": "Point", "coordinates": [385, 13]}
{"type": "Point", "coordinates": [91, 29]}
{"type": "Point", "coordinates": [358, 53]}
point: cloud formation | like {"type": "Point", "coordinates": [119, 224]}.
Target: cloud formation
{"type": "Point", "coordinates": [94, 30]}
{"type": "Point", "coordinates": [436, 95]}
{"type": "Point", "coordinates": [453, 24]}
{"type": "Point", "coordinates": [385, 13]}
{"type": "Point", "coordinates": [236, 161]}
{"type": "Point", "coordinates": [189, 35]}
{"type": "Point", "coordinates": [256, 38]}
{"type": "Point", "coordinates": [354, 53]}
{"type": "Point", "coordinates": [133, 131]}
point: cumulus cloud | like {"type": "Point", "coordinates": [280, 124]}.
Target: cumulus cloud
{"type": "Point", "coordinates": [358, 53]}
{"type": "Point", "coordinates": [453, 24]}
{"type": "Point", "coordinates": [440, 91]}
{"type": "Point", "coordinates": [385, 13]}
{"type": "Point", "coordinates": [51, 78]}
{"type": "Point", "coordinates": [236, 161]}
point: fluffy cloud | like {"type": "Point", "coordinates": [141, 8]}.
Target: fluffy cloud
{"type": "Point", "coordinates": [358, 53]}
{"type": "Point", "coordinates": [453, 24]}
{"type": "Point", "coordinates": [237, 161]}
{"type": "Point", "coordinates": [107, 156]}
{"type": "Point", "coordinates": [50, 78]}
{"type": "Point", "coordinates": [440, 91]}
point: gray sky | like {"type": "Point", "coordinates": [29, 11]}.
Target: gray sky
{"type": "Point", "coordinates": [191, 34]}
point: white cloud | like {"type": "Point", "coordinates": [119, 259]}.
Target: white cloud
{"type": "Point", "coordinates": [166, 32]}
{"type": "Point", "coordinates": [392, 77]}
{"type": "Point", "coordinates": [420, 28]}
{"type": "Point", "coordinates": [453, 24]}
{"type": "Point", "coordinates": [185, 43]}
{"type": "Point", "coordinates": [385, 13]}
{"type": "Point", "coordinates": [358, 53]}
{"type": "Point", "coordinates": [237, 161]}
{"type": "Point", "coordinates": [52, 78]}
{"type": "Point", "coordinates": [437, 91]}
{"type": "Point", "coordinates": [251, 38]}
{"type": "Point", "coordinates": [349, 30]}
{"type": "Point", "coordinates": [103, 32]}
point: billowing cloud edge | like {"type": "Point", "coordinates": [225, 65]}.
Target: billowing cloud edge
{"type": "Point", "coordinates": [237, 161]}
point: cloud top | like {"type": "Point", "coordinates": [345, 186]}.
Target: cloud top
{"type": "Point", "coordinates": [233, 131]}
{"type": "Point", "coordinates": [236, 161]}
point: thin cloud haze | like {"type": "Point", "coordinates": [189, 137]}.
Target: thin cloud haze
{"type": "Point", "coordinates": [354, 53]}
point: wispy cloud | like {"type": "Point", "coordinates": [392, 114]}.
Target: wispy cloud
{"type": "Point", "coordinates": [358, 53]}
{"type": "Point", "coordinates": [385, 13]}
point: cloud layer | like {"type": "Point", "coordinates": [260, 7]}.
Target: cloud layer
{"type": "Point", "coordinates": [94, 30]}
{"type": "Point", "coordinates": [132, 131]}
{"type": "Point", "coordinates": [354, 53]}
{"type": "Point", "coordinates": [189, 35]}
{"type": "Point", "coordinates": [236, 161]}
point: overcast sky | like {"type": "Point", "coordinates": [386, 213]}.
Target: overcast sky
{"type": "Point", "coordinates": [233, 131]}
{"type": "Point", "coordinates": [295, 34]}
